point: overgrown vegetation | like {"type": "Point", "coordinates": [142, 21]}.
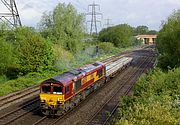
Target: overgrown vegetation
{"type": "Point", "coordinates": [169, 42]}
{"type": "Point", "coordinates": [156, 101]}
{"type": "Point", "coordinates": [118, 35]}
{"type": "Point", "coordinates": [156, 98]}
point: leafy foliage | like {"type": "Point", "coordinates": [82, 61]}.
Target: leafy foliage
{"type": "Point", "coordinates": [6, 56]}
{"type": "Point", "coordinates": [144, 30]}
{"type": "Point", "coordinates": [34, 53]}
{"type": "Point", "coordinates": [169, 42]}
{"type": "Point", "coordinates": [155, 101]}
{"type": "Point", "coordinates": [118, 35]}
{"type": "Point", "coordinates": [106, 47]}
{"type": "Point", "coordinates": [140, 30]}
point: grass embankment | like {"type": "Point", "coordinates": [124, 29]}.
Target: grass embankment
{"type": "Point", "coordinates": [156, 101]}
{"type": "Point", "coordinates": [22, 82]}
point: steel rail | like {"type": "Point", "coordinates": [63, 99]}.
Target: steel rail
{"type": "Point", "coordinates": [14, 113]}
{"type": "Point", "coordinates": [17, 95]}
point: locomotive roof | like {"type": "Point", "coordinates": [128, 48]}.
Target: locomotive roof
{"type": "Point", "coordinates": [67, 77]}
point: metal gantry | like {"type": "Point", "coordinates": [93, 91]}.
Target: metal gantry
{"type": "Point", "coordinates": [11, 16]}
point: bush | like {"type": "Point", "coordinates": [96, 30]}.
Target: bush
{"type": "Point", "coordinates": [107, 47]}
{"type": "Point", "coordinates": [33, 52]}
{"type": "Point", "coordinates": [6, 56]}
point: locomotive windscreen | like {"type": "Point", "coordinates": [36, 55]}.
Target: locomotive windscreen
{"type": "Point", "coordinates": [57, 90]}
{"type": "Point", "coordinates": [50, 88]}
{"type": "Point", "coordinates": [46, 89]}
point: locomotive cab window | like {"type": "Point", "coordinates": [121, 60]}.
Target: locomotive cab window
{"type": "Point", "coordinates": [57, 90]}
{"type": "Point", "coordinates": [46, 89]}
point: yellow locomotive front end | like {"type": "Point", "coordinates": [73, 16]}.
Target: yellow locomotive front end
{"type": "Point", "coordinates": [51, 98]}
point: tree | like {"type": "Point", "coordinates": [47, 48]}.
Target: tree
{"type": "Point", "coordinates": [168, 42]}
{"type": "Point", "coordinates": [45, 26]}
{"type": "Point", "coordinates": [64, 25]}
{"type": "Point", "coordinates": [140, 30]}
{"type": "Point", "coordinates": [152, 32]}
{"type": "Point", "coordinates": [118, 35]}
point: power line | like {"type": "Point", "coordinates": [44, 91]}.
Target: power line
{"type": "Point", "coordinates": [93, 13]}
{"type": "Point", "coordinates": [12, 17]}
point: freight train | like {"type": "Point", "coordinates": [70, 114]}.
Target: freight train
{"type": "Point", "coordinates": [61, 93]}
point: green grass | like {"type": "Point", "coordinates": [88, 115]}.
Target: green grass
{"type": "Point", "coordinates": [156, 101]}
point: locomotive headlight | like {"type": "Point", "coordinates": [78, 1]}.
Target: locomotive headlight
{"type": "Point", "coordinates": [43, 100]}
{"type": "Point", "coordinates": [58, 101]}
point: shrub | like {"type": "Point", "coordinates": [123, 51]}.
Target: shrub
{"type": "Point", "coordinates": [33, 52]}
{"type": "Point", "coordinates": [106, 47]}
{"type": "Point", "coordinates": [6, 56]}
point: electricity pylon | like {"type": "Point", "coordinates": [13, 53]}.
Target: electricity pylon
{"type": "Point", "coordinates": [12, 16]}
{"type": "Point", "coordinates": [93, 15]}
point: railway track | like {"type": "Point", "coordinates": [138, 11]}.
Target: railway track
{"type": "Point", "coordinates": [6, 101]}
{"type": "Point", "coordinates": [107, 110]}
{"type": "Point", "coordinates": [19, 112]}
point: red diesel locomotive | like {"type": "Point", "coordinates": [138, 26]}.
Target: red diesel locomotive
{"type": "Point", "coordinates": [64, 91]}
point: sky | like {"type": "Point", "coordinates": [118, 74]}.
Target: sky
{"type": "Point", "coordinates": [133, 12]}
